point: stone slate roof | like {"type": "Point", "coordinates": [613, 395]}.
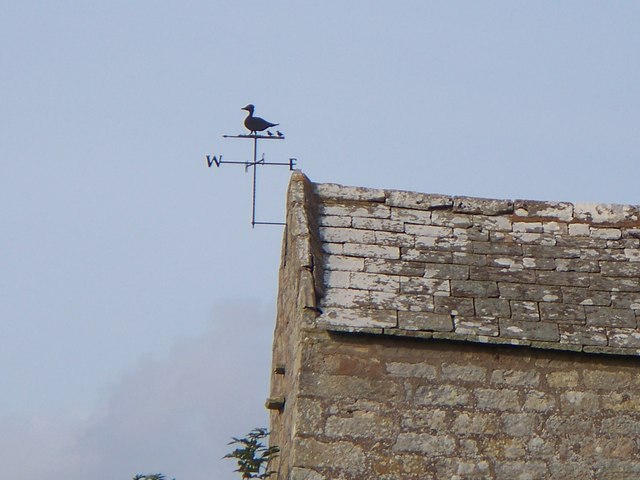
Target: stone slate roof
{"type": "Point", "coordinates": [541, 274]}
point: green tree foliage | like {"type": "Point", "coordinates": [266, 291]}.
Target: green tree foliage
{"type": "Point", "coordinates": [252, 455]}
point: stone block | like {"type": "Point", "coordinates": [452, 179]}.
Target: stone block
{"type": "Point", "coordinates": [390, 266]}
{"type": "Point", "coordinates": [614, 284]}
{"type": "Point", "coordinates": [464, 258]}
{"type": "Point", "coordinates": [524, 311]}
{"type": "Point", "coordinates": [576, 265]}
{"type": "Point", "coordinates": [625, 300]}
{"type": "Point", "coordinates": [584, 296]}
{"type": "Point", "coordinates": [620, 269]}
{"type": "Point", "coordinates": [406, 215]}
{"type": "Point", "coordinates": [425, 321]}
{"type": "Point", "coordinates": [576, 402]}
{"type": "Point", "coordinates": [345, 298]}
{"type": "Point", "coordinates": [531, 293]}
{"type": "Point", "coordinates": [579, 229]}
{"type": "Point", "coordinates": [476, 424]}
{"type": "Point", "coordinates": [352, 317]}
{"type": "Point", "coordinates": [341, 455]}
{"type": "Point", "coordinates": [501, 400]}
{"type": "Point", "coordinates": [582, 335]}
{"type": "Point", "coordinates": [360, 424]}
{"type": "Point", "coordinates": [571, 279]}
{"type": "Point", "coordinates": [428, 230]}
{"type": "Point", "coordinates": [605, 213]}
{"type": "Point", "coordinates": [370, 251]}
{"type": "Point", "coordinates": [563, 379]}
{"type": "Point", "coordinates": [492, 307]}
{"type": "Point", "coordinates": [632, 254]}
{"type": "Point", "coordinates": [560, 312]}
{"type": "Point", "coordinates": [348, 387]}
{"type": "Point", "coordinates": [501, 275]}
{"type": "Point", "coordinates": [430, 256]}
{"type": "Point", "coordinates": [494, 248]}
{"type": "Point", "coordinates": [544, 251]}
{"type": "Point", "coordinates": [463, 373]}
{"type": "Point", "coordinates": [452, 272]}
{"type": "Point", "coordinates": [456, 306]}
{"type": "Point", "coordinates": [419, 370]}
{"type": "Point", "coordinates": [374, 281]}
{"type": "Point", "coordinates": [483, 206]}
{"type": "Point", "coordinates": [425, 286]}
{"type": "Point", "coordinates": [378, 224]}
{"type": "Point", "coordinates": [474, 288]}
{"type": "Point", "coordinates": [305, 474]}
{"type": "Point", "coordinates": [608, 380]}
{"type": "Point", "coordinates": [556, 228]}
{"type": "Point", "coordinates": [443, 395]}
{"type": "Point", "coordinates": [425, 419]}
{"type": "Point", "coordinates": [519, 424]}
{"type": "Point", "coordinates": [606, 233]}
{"type": "Point", "coordinates": [477, 326]}
{"type": "Point", "coordinates": [334, 221]}
{"type": "Point", "coordinates": [418, 201]}
{"type": "Point", "coordinates": [528, 227]}
{"type": "Point", "coordinates": [529, 378]}
{"type": "Point", "coordinates": [403, 301]}
{"type": "Point", "coordinates": [529, 330]}
{"type": "Point", "coordinates": [424, 443]}
{"type": "Point", "coordinates": [393, 239]}
{"type": "Point", "coordinates": [341, 262]}
{"type": "Point", "coordinates": [344, 235]}
{"type": "Point", "coordinates": [535, 401]}
{"type": "Point", "coordinates": [624, 337]}
{"type": "Point", "coordinates": [332, 191]}
{"type": "Point", "coordinates": [355, 210]}
{"type": "Point", "coordinates": [529, 208]}
{"type": "Point", "coordinates": [610, 317]}
{"type": "Point", "coordinates": [449, 219]}
{"type": "Point", "coordinates": [521, 470]}
{"type": "Point", "coordinates": [453, 244]}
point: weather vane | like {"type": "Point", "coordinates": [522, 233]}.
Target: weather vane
{"type": "Point", "coordinates": [254, 125]}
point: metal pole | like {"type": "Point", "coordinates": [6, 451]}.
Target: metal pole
{"type": "Point", "coordinates": [253, 211]}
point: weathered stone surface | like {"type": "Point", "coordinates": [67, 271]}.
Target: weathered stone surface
{"type": "Point", "coordinates": [480, 326]}
{"type": "Point", "coordinates": [456, 306]}
{"type": "Point", "coordinates": [530, 208]}
{"type": "Point", "coordinates": [561, 312]}
{"type": "Point", "coordinates": [613, 317]}
{"type": "Point", "coordinates": [474, 289]}
{"type": "Point", "coordinates": [412, 370]}
{"type": "Point", "coordinates": [351, 317]}
{"type": "Point", "coordinates": [345, 456]}
{"type": "Point", "coordinates": [443, 395]}
{"type": "Point", "coordinates": [515, 377]}
{"type": "Point", "coordinates": [501, 400]}
{"type": "Point", "coordinates": [463, 373]}
{"type": "Point", "coordinates": [332, 191]}
{"type": "Point", "coordinates": [425, 321]}
{"type": "Point", "coordinates": [529, 330]}
{"type": "Point", "coordinates": [531, 293]}
{"type": "Point", "coordinates": [418, 201]}
{"type": "Point", "coordinates": [360, 424]}
{"type": "Point", "coordinates": [483, 206]}
{"type": "Point", "coordinates": [492, 307]}
{"type": "Point", "coordinates": [432, 445]}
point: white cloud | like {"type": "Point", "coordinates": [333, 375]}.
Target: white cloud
{"type": "Point", "coordinates": [173, 415]}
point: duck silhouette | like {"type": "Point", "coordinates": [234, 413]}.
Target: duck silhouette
{"type": "Point", "coordinates": [255, 124]}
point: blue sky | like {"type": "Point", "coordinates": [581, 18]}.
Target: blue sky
{"type": "Point", "coordinates": [136, 303]}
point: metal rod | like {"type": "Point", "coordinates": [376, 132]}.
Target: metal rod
{"type": "Point", "coordinates": [266, 137]}
{"type": "Point", "coordinates": [269, 223]}
{"type": "Point", "coordinates": [255, 171]}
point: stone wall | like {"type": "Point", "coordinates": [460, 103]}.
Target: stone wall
{"type": "Point", "coordinates": [426, 336]}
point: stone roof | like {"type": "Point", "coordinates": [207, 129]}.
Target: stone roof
{"type": "Point", "coordinates": [541, 274]}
